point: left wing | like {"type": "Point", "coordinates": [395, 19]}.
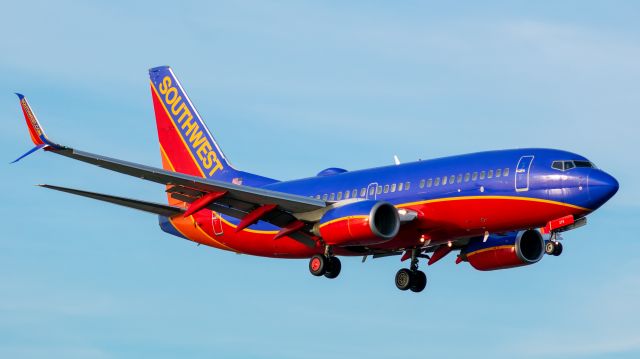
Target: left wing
{"type": "Point", "coordinates": [249, 204]}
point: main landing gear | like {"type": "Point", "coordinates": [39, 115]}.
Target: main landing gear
{"type": "Point", "coordinates": [411, 278]}
{"type": "Point", "coordinates": [325, 264]}
{"type": "Point", "coordinates": [553, 248]}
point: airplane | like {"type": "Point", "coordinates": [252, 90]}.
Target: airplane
{"type": "Point", "coordinates": [496, 209]}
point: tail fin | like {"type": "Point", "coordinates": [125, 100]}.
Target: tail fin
{"type": "Point", "coordinates": [186, 145]}
{"type": "Point", "coordinates": [38, 137]}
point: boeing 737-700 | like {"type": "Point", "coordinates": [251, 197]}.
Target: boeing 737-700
{"type": "Point", "coordinates": [495, 210]}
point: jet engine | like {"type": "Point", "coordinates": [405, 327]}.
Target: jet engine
{"type": "Point", "coordinates": [504, 251]}
{"type": "Point", "coordinates": [359, 223]}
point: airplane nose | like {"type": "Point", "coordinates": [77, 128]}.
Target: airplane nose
{"type": "Point", "coordinates": [602, 186]}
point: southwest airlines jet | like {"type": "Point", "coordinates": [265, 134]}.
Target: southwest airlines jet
{"type": "Point", "coordinates": [495, 210]}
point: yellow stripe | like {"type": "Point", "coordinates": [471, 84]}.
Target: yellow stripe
{"type": "Point", "coordinates": [489, 249]}
{"type": "Point", "coordinates": [343, 219]}
{"type": "Point", "coordinates": [247, 229]}
{"type": "Point", "coordinates": [177, 129]}
{"type": "Point", "coordinates": [516, 198]}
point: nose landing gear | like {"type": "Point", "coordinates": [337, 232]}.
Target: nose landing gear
{"type": "Point", "coordinates": [411, 278]}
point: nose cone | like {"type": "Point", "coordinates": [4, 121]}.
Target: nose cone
{"type": "Point", "coordinates": [602, 186]}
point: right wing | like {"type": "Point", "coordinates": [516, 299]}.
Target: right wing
{"type": "Point", "coordinates": [151, 207]}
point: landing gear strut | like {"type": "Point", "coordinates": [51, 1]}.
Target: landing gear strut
{"type": "Point", "coordinates": [325, 264]}
{"type": "Point", "coordinates": [411, 278]}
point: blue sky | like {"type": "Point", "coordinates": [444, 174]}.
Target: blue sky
{"type": "Point", "coordinates": [289, 88]}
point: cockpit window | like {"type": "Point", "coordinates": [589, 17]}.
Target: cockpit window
{"type": "Point", "coordinates": [583, 164]}
{"type": "Point", "coordinates": [567, 165]}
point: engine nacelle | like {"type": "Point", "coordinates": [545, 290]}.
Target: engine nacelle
{"type": "Point", "coordinates": [359, 223]}
{"type": "Point", "coordinates": [501, 252]}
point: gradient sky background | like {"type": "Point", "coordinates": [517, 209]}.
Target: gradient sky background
{"type": "Point", "coordinates": [289, 88]}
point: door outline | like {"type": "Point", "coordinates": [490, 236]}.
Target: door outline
{"type": "Point", "coordinates": [522, 174]}
{"type": "Point", "coordinates": [216, 223]}
{"type": "Point", "coordinates": [374, 186]}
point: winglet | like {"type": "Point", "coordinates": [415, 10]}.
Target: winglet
{"type": "Point", "coordinates": [36, 132]}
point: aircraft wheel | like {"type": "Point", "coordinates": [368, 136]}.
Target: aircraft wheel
{"type": "Point", "coordinates": [404, 279]}
{"type": "Point", "coordinates": [550, 247]}
{"type": "Point", "coordinates": [318, 265]}
{"type": "Point", "coordinates": [333, 268]}
{"type": "Point", "coordinates": [418, 281]}
{"type": "Point", "coordinates": [558, 250]}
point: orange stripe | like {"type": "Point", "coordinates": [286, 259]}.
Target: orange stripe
{"type": "Point", "coordinates": [189, 228]}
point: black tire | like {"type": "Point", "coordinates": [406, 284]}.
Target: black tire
{"type": "Point", "coordinates": [404, 279]}
{"type": "Point", "coordinates": [318, 265]}
{"type": "Point", "coordinates": [418, 282]}
{"type": "Point", "coordinates": [333, 268]}
{"type": "Point", "coordinates": [550, 247]}
{"type": "Point", "coordinates": [558, 250]}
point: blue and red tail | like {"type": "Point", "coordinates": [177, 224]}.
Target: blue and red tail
{"type": "Point", "coordinates": [186, 145]}
{"type": "Point", "coordinates": [38, 137]}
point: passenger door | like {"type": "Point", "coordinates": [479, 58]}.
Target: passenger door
{"type": "Point", "coordinates": [216, 222]}
{"type": "Point", "coordinates": [372, 188]}
{"type": "Point", "coordinates": [522, 173]}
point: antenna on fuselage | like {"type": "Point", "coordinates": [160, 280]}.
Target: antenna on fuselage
{"type": "Point", "coordinates": [396, 159]}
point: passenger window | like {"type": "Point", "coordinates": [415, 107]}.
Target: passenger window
{"type": "Point", "coordinates": [437, 182]}
{"type": "Point", "coordinates": [444, 180]}
{"type": "Point", "coordinates": [407, 185]}
{"type": "Point", "coordinates": [429, 182]}
{"type": "Point", "coordinates": [482, 175]}
{"type": "Point", "coordinates": [386, 188]}
{"type": "Point", "coordinates": [490, 174]}
{"type": "Point", "coordinates": [332, 197]}
{"type": "Point", "coordinates": [379, 191]}
{"type": "Point", "coordinates": [399, 187]}
{"type": "Point", "coordinates": [498, 172]}
{"type": "Point", "coordinates": [324, 197]}
{"type": "Point", "coordinates": [505, 173]}
{"type": "Point", "coordinates": [363, 192]}
{"type": "Point", "coordinates": [347, 194]}
{"type": "Point", "coordinates": [474, 176]}
{"type": "Point", "coordinates": [354, 194]}
{"type": "Point", "coordinates": [451, 179]}
{"type": "Point", "coordinates": [372, 190]}
{"type": "Point", "coordinates": [467, 176]}
{"type": "Point", "coordinates": [421, 184]}
{"type": "Point", "coordinates": [393, 187]}
{"type": "Point", "coordinates": [339, 196]}
{"type": "Point", "coordinates": [459, 179]}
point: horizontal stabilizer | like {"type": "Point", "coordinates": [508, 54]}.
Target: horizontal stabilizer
{"type": "Point", "coordinates": [151, 207]}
